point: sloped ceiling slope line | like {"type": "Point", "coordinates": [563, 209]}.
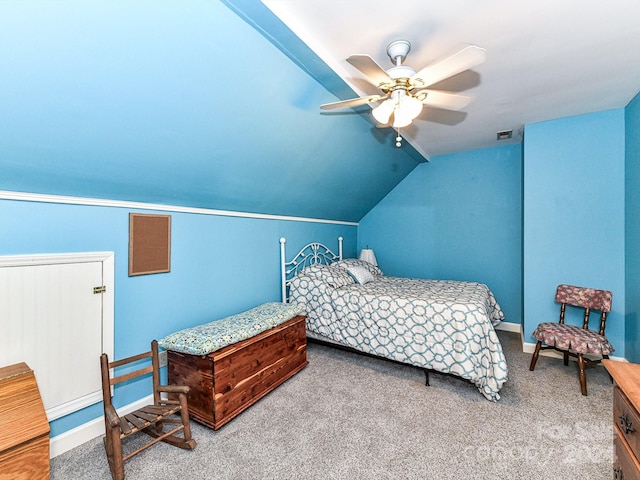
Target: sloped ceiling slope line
{"type": "Point", "coordinates": [256, 14]}
{"type": "Point", "coordinates": [178, 103]}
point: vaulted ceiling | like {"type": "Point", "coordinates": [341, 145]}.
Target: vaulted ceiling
{"type": "Point", "coordinates": [176, 102]}
{"type": "Point", "coordinates": [545, 59]}
{"type": "Point", "coordinates": [216, 104]}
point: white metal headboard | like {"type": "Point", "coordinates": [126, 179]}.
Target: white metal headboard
{"type": "Point", "coordinates": [311, 254]}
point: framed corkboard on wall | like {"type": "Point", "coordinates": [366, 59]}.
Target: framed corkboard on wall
{"type": "Point", "coordinates": [149, 244]}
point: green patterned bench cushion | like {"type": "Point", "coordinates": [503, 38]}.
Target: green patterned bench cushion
{"type": "Point", "coordinates": [207, 338]}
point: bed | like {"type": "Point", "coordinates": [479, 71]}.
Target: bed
{"type": "Point", "coordinates": [441, 325]}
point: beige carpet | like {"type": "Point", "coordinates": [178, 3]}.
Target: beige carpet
{"type": "Point", "coordinates": [348, 416]}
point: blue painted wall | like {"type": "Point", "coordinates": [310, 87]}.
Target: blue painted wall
{"type": "Point", "coordinates": [177, 103]}
{"type": "Point", "coordinates": [219, 266]}
{"type": "Point", "coordinates": [457, 217]}
{"type": "Point", "coordinates": [184, 103]}
{"type": "Point", "coordinates": [574, 215]}
{"type": "Point", "coordinates": [181, 103]}
{"type": "Point", "coordinates": [632, 230]}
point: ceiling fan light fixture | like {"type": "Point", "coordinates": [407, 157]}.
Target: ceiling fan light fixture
{"type": "Point", "coordinates": [410, 106]}
{"type": "Point", "coordinates": [407, 109]}
{"type": "Point", "coordinates": [400, 120]}
{"type": "Point", "coordinates": [402, 90]}
{"type": "Point", "coordinates": [382, 113]}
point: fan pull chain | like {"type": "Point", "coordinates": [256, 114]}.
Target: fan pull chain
{"type": "Point", "coordinates": [398, 138]}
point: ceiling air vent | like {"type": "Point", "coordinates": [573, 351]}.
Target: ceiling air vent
{"type": "Point", "coordinates": [504, 135]}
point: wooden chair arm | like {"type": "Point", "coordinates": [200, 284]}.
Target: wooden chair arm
{"type": "Point", "coordinates": [111, 416]}
{"type": "Point", "coordinates": [174, 389]}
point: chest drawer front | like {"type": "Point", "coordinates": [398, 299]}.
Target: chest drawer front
{"type": "Point", "coordinates": [627, 420]}
{"type": "Point", "coordinates": [625, 466]}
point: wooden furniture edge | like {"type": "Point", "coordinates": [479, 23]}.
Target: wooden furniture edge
{"type": "Point", "coordinates": [234, 347]}
{"type": "Point", "coordinates": [627, 377]}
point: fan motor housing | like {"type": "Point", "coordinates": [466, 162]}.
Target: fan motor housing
{"type": "Point", "coordinates": [401, 71]}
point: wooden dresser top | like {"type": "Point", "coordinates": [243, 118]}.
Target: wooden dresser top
{"type": "Point", "coordinates": [627, 376]}
{"type": "Point", "coordinates": [13, 370]}
{"type": "Point", "coordinates": [22, 415]}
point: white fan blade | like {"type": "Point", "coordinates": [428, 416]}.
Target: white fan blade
{"type": "Point", "coordinates": [460, 61]}
{"type": "Point", "coordinates": [445, 100]}
{"type": "Point", "coordinates": [367, 65]}
{"type": "Point", "coordinates": [354, 102]}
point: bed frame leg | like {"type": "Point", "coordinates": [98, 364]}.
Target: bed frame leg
{"type": "Point", "coordinates": [426, 374]}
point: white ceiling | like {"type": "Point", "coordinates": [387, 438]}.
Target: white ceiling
{"type": "Point", "coordinates": [546, 59]}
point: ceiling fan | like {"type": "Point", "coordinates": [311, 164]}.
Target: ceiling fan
{"type": "Point", "coordinates": [404, 91]}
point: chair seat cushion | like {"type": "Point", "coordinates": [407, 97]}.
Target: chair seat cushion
{"type": "Point", "coordinates": [575, 339]}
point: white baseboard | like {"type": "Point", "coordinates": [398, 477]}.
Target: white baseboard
{"type": "Point", "coordinates": [509, 327]}
{"type": "Point", "coordinates": [88, 431]}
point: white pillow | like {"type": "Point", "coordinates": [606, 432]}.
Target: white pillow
{"type": "Point", "coordinates": [354, 262]}
{"type": "Point", "coordinates": [360, 274]}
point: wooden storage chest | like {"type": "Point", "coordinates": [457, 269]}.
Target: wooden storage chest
{"type": "Point", "coordinates": [226, 382]}
{"type": "Point", "coordinates": [24, 429]}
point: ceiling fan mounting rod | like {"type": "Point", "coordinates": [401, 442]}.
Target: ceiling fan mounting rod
{"type": "Point", "coordinates": [398, 51]}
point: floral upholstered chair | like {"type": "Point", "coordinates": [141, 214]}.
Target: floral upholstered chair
{"type": "Point", "coordinates": [573, 340]}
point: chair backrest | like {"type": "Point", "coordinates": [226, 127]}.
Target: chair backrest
{"type": "Point", "coordinates": [587, 298]}
{"type": "Point", "coordinates": [108, 380]}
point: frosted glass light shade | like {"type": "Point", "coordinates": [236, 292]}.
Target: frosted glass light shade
{"type": "Point", "coordinates": [407, 109]}
{"type": "Point", "coordinates": [367, 255]}
{"type": "Point", "coordinates": [400, 121]}
{"type": "Point", "coordinates": [383, 112]}
{"type": "Point", "coordinates": [410, 106]}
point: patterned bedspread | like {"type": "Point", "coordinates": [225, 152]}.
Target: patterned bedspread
{"type": "Point", "coordinates": [446, 326]}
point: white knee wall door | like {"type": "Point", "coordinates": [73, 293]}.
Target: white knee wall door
{"type": "Point", "coordinates": [56, 314]}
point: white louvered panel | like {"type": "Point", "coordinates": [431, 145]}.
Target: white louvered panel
{"type": "Point", "coordinates": [52, 320]}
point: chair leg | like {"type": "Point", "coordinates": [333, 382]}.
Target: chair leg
{"type": "Point", "coordinates": [109, 450]}
{"type": "Point", "coordinates": [534, 357]}
{"type": "Point", "coordinates": [108, 444]}
{"type": "Point", "coordinates": [170, 437]}
{"type": "Point", "coordinates": [583, 376]}
{"type": "Point", "coordinates": [113, 447]}
{"type": "Point", "coordinates": [159, 427]}
{"type": "Point", "coordinates": [184, 416]}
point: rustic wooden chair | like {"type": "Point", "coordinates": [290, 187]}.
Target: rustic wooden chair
{"type": "Point", "coordinates": [149, 419]}
{"type": "Point", "coordinates": [572, 340]}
